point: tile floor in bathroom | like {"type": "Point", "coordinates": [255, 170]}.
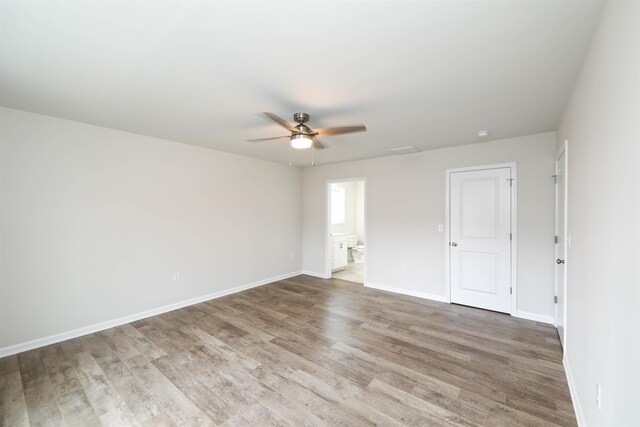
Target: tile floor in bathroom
{"type": "Point", "coordinates": [353, 272]}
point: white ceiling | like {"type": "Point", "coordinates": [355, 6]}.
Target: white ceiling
{"type": "Point", "coordinates": [429, 74]}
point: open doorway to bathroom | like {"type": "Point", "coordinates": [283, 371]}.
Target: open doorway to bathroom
{"type": "Point", "coordinates": [346, 226]}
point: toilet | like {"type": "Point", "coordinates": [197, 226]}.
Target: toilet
{"type": "Point", "coordinates": [358, 254]}
{"type": "Point", "coordinates": [356, 251]}
{"type": "Point", "coordinates": [352, 241]}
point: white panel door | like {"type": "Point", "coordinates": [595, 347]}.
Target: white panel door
{"type": "Point", "coordinates": [560, 244]}
{"type": "Point", "coordinates": [480, 241]}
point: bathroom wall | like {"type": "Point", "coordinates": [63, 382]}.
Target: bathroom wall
{"type": "Point", "coordinates": [354, 223]}
{"type": "Point", "coordinates": [350, 225]}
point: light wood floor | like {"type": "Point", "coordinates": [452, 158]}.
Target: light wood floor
{"type": "Point", "coordinates": [302, 351]}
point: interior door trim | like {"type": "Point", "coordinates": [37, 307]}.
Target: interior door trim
{"type": "Point", "coordinates": [514, 228]}
{"type": "Point", "coordinates": [564, 150]}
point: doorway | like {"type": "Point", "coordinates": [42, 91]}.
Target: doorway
{"type": "Point", "coordinates": [561, 242]}
{"type": "Point", "coordinates": [347, 251]}
{"type": "Point", "coordinates": [482, 237]}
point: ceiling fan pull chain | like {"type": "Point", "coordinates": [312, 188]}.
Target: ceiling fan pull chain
{"type": "Point", "coordinates": [312, 153]}
{"type": "Point", "coordinates": [289, 154]}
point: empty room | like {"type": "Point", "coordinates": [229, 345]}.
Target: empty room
{"type": "Point", "coordinates": [252, 213]}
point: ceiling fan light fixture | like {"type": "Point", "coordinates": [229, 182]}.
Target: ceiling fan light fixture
{"type": "Point", "coordinates": [301, 142]}
{"type": "Point", "coordinates": [303, 137]}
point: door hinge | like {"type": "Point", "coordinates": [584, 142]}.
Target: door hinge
{"type": "Point", "coordinates": [510, 181]}
{"type": "Point", "coordinates": [555, 239]}
{"type": "Point", "coordinates": [555, 299]}
{"type": "Point", "coordinates": [510, 290]}
{"type": "Point", "coordinates": [510, 236]}
{"type": "Point", "coordinates": [555, 178]}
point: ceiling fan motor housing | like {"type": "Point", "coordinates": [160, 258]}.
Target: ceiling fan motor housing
{"type": "Point", "coordinates": [301, 117]}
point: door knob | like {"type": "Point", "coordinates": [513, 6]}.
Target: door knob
{"type": "Point", "coordinates": [559, 261]}
{"type": "Point", "coordinates": [454, 244]}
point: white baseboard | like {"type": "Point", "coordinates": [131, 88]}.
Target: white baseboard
{"type": "Point", "coordinates": [535, 317]}
{"type": "Point", "coordinates": [52, 339]}
{"type": "Point", "coordinates": [432, 297]}
{"type": "Point", "coordinates": [574, 393]}
{"type": "Point", "coordinates": [316, 274]}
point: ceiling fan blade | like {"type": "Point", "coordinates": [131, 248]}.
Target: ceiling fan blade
{"type": "Point", "coordinates": [318, 145]}
{"type": "Point", "coordinates": [267, 139]}
{"type": "Point", "coordinates": [340, 130]}
{"type": "Point", "coordinates": [282, 122]}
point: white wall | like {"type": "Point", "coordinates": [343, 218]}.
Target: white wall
{"type": "Point", "coordinates": [602, 124]}
{"type": "Point", "coordinates": [95, 221]}
{"type": "Point", "coordinates": [405, 202]}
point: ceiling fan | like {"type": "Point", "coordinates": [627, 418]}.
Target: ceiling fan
{"type": "Point", "coordinates": [302, 136]}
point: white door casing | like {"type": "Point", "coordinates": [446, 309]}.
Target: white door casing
{"type": "Point", "coordinates": [561, 242]}
{"type": "Point", "coordinates": [480, 230]}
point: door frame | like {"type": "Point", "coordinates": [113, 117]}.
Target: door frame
{"type": "Point", "coordinates": [564, 149]}
{"type": "Point", "coordinates": [327, 229]}
{"type": "Point", "coordinates": [514, 228]}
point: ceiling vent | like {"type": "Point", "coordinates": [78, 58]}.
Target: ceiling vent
{"type": "Point", "coordinates": [404, 150]}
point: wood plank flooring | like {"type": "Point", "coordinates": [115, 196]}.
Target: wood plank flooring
{"type": "Point", "coordinates": [302, 351]}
